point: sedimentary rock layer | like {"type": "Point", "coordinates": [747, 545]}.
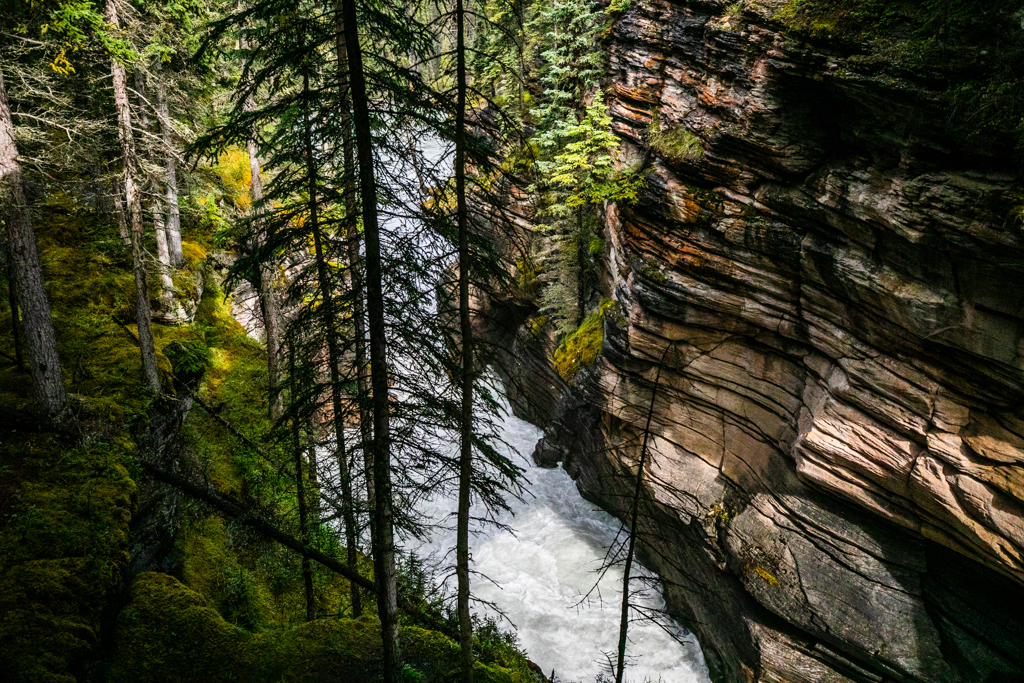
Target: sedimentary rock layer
{"type": "Point", "coordinates": [837, 468]}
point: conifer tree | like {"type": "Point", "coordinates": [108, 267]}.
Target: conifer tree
{"type": "Point", "coordinates": [577, 168]}
{"type": "Point", "coordinates": [383, 514]}
{"type": "Point", "coordinates": [466, 330]}
{"type": "Point", "coordinates": [27, 280]}
{"type": "Point", "coordinates": [133, 199]}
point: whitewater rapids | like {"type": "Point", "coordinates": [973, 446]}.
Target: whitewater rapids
{"type": "Point", "coordinates": [540, 572]}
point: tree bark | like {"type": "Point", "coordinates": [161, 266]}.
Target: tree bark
{"type": "Point", "coordinates": [384, 542]}
{"type": "Point", "coordinates": [125, 136]}
{"type": "Point", "coordinates": [40, 342]}
{"type": "Point", "coordinates": [163, 256]}
{"type": "Point", "coordinates": [117, 190]}
{"type": "Point", "coordinates": [355, 267]}
{"type": "Point", "coordinates": [466, 422]}
{"type": "Point", "coordinates": [333, 355]}
{"type": "Point", "coordinates": [173, 225]}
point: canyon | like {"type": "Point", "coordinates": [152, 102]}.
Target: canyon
{"type": "Point", "coordinates": [831, 293]}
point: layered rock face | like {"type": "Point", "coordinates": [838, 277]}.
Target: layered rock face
{"type": "Point", "coordinates": [834, 295]}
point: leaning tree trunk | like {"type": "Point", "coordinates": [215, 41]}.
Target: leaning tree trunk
{"type": "Point", "coordinates": [334, 357]}
{"type": "Point", "coordinates": [384, 543]}
{"type": "Point", "coordinates": [173, 224]}
{"type": "Point", "coordinates": [466, 422]}
{"type": "Point", "coordinates": [131, 191]}
{"type": "Point", "coordinates": [40, 343]}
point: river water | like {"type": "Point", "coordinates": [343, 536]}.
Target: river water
{"type": "Point", "coordinates": [539, 572]}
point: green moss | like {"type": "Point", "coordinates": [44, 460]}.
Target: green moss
{"type": "Point", "coordinates": [63, 545]}
{"type": "Point", "coordinates": [527, 278]}
{"type": "Point", "coordinates": [170, 633]}
{"type": "Point", "coordinates": [653, 273]}
{"type": "Point", "coordinates": [582, 347]}
{"type": "Point", "coordinates": [675, 144]}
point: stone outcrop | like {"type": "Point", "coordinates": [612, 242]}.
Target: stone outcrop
{"type": "Point", "coordinates": [835, 294]}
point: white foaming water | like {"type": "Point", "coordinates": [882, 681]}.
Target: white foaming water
{"type": "Point", "coordinates": [544, 569]}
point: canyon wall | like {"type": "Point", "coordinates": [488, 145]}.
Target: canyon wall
{"type": "Point", "coordinates": [833, 291]}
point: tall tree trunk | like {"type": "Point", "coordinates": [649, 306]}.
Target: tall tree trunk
{"type": "Point", "coordinates": [355, 266]}
{"type": "Point", "coordinates": [384, 542]}
{"type": "Point", "coordinates": [266, 276]}
{"type": "Point", "coordinates": [633, 518]}
{"type": "Point", "coordinates": [131, 191]}
{"type": "Point", "coordinates": [173, 225]}
{"type": "Point", "coordinates": [163, 256]}
{"type": "Point", "coordinates": [40, 343]}
{"type": "Point", "coordinates": [300, 493]}
{"type": "Point", "coordinates": [333, 355]}
{"type": "Point", "coordinates": [466, 423]}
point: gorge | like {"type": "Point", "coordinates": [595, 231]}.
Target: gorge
{"type": "Point", "coordinates": [747, 271]}
{"type": "Point", "coordinates": [833, 283]}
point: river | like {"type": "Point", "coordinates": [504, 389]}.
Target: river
{"type": "Point", "coordinates": [539, 573]}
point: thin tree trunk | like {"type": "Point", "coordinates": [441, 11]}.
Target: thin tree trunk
{"type": "Point", "coordinates": [314, 484]}
{"type": "Point", "coordinates": [131, 191]}
{"type": "Point", "coordinates": [466, 423]}
{"type": "Point", "coordinates": [173, 225]}
{"type": "Point", "coordinates": [300, 493]}
{"type": "Point", "coordinates": [162, 255]}
{"type": "Point", "coordinates": [355, 268]}
{"type": "Point", "coordinates": [384, 550]}
{"type": "Point", "coordinates": [581, 260]}
{"type": "Point", "coordinates": [269, 308]}
{"type": "Point", "coordinates": [245, 516]}
{"type": "Point", "coordinates": [12, 300]}
{"type": "Point", "coordinates": [633, 518]}
{"type": "Point", "coordinates": [333, 357]}
{"type": "Point", "coordinates": [23, 259]}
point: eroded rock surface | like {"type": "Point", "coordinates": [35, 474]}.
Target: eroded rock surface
{"type": "Point", "coordinates": [836, 294]}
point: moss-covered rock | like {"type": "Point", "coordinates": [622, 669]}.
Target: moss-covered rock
{"type": "Point", "coordinates": [63, 547]}
{"type": "Point", "coordinates": [583, 346]}
{"type": "Point", "coordinates": [169, 634]}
